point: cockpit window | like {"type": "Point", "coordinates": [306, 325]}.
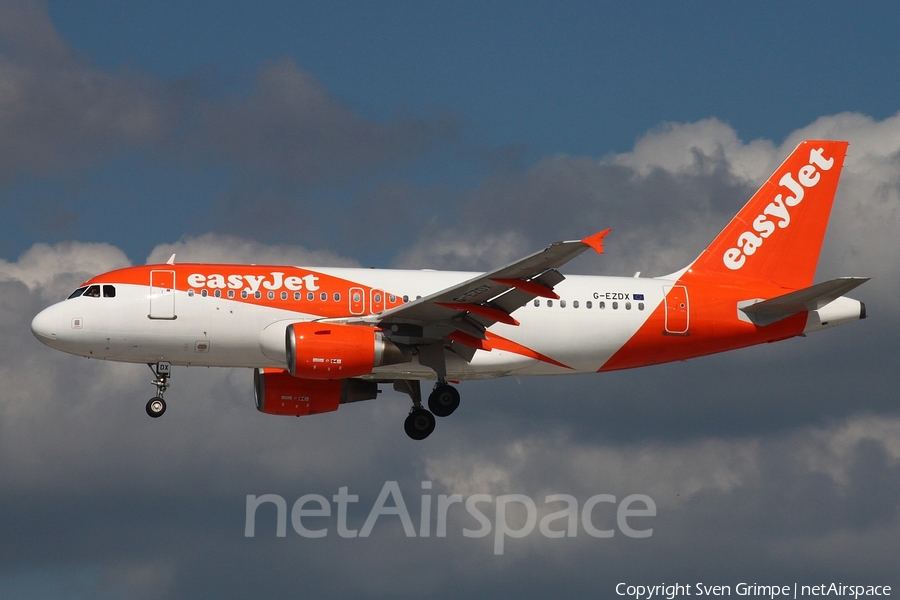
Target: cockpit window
{"type": "Point", "coordinates": [93, 291]}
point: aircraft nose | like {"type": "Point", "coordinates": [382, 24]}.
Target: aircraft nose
{"type": "Point", "coordinates": [45, 326]}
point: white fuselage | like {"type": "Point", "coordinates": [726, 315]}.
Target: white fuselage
{"type": "Point", "coordinates": [592, 319]}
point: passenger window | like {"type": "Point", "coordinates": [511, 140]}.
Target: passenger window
{"type": "Point", "coordinates": [337, 297]}
{"type": "Point", "coordinates": [296, 295]}
{"type": "Point", "coordinates": [93, 291]}
{"type": "Point", "coordinates": [562, 303]}
{"type": "Point", "coordinates": [204, 293]}
{"type": "Point", "coordinates": [640, 306]}
{"type": "Point", "coordinates": [231, 293]}
{"type": "Point", "coordinates": [575, 304]}
{"type": "Point", "coordinates": [549, 302]}
{"type": "Point", "coordinates": [284, 295]}
{"type": "Point", "coordinates": [405, 298]}
{"type": "Point", "coordinates": [76, 293]}
{"type": "Point", "coordinates": [628, 306]}
{"type": "Point", "coordinates": [109, 291]}
{"type": "Point", "coordinates": [310, 296]}
{"type": "Point", "coordinates": [589, 304]}
{"type": "Point", "coordinates": [615, 305]}
{"type": "Point", "coordinates": [244, 294]}
{"type": "Point", "coordinates": [377, 297]}
{"type": "Point", "coordinates": [537, 302]}
{"type": "Point", "coordinates": [218, 293]}
{"type": "Point", "coordinates": [601, 305]}
{"type": "Point", "coordinates": [323, 296]}
{"type": "Point", "coordinates": [271, 295]}
{"type": "Point", "coordinates": [392, 298]}
{"type": "Point", "coordinates": [257, 295]}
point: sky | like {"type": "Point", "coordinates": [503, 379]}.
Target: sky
{"type": "Point", "coordinates": [441, 135]}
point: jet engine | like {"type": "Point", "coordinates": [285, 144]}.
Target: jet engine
{"type": "Point", "coordinates": [335, 351]}
{"type": "Point", "coordinates": [278, 393]}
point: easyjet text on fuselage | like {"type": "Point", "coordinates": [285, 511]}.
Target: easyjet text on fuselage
{"type": "Point", "coordinates": [272, 281]}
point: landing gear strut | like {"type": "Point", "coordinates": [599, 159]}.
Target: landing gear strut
{"type": "Point", "coordinates": [157, 406]}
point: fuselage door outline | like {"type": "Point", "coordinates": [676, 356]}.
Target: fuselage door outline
{"type": "Point", "coordinates": [677, 309]}
{"type": "Point", "coordinates": [357, 298]}
{"type": "Point", "coordinates": [162, 295]}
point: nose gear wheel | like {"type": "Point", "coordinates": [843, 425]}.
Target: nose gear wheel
{"type": "Point", "coordinates": [156, 406]}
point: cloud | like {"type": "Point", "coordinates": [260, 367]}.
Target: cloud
{"type": "Point", "coordinates": [54, 271]}
{"type": "Point", "coordinates": [446, 250]}
{"type": "Point", "coordinates": [57, 112]}
{"type": "Point", "coordinates": [290, 127]}
{"type": "Point", "coordinates": [216, 248]}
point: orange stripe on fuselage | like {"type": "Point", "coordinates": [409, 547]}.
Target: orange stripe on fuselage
{"type": "Point", "coordinates": [501, 343]}
{"type": "Point", "coordinates": [263, 279]}
{"type": "Point", "coordinates": [714, 324]}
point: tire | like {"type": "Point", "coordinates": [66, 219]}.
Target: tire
{"type": "Point", "coordinates": [443, 400]}
{"type": "Point", "coordinates": [156, 407]}
{"type": "Point", "coordinates": [419, 424]}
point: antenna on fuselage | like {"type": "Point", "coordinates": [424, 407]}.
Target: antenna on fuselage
{"type": "Point", "coordinates": [171, 260]}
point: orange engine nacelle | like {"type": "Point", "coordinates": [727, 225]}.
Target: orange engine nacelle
{"type": "Point", "coordinates": [334, 351]}
{"type": "Point", "coordinates": [278, 393]}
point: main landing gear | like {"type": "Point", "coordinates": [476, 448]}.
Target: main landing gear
{"type": "Point", "coordinates": [442, 401]}
{"type": "Point", "coordinates": [157, 406]}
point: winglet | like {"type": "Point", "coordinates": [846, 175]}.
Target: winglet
{"type": "Point", "coordinates": [596, 241]}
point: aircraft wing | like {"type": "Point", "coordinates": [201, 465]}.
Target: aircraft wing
{"type": "Point", "coordinates": [461, 313]}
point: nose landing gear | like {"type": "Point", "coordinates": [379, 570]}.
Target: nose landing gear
{"type": "Point", "coordinates": [157, 406]}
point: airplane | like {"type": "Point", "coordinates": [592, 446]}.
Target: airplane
{"type": "Point", "coordinates": [318, 338]}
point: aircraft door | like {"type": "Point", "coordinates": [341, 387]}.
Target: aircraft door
{"type": "Point", "coordinates": [162, 294]}
{"type": "Point", "coordinates": [677, 309]}
{"type": "Point", "coordinates": [357, 301]}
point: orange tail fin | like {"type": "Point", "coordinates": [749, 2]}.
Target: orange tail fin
{"type": "Point", "coordinates": [778, 234]}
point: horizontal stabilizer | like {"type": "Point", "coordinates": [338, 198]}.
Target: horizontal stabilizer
{"type": "Point", "coordinates": [805, 300]}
